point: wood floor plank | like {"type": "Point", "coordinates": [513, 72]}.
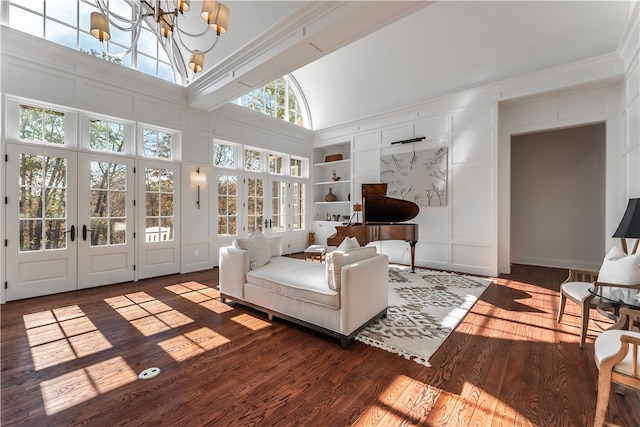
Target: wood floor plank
{"type": "Point", "coordinates": [73, 359]}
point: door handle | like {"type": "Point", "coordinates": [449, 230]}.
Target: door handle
{"type": "Point", "coordinates": [270, 224]}
{"type": "Point", "coordinates": [84, 231]}
{"type": "Point", "coordinates": [72, 232]}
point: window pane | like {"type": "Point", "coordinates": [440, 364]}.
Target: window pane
{"type": "Point", "coordinates": [65, 11]}
{"type": "Point", "coordinates": [276, 164]}
{"type": "Point", "coordinates": [148, 43]}
{"type": "Point", "coordinates": [108, 203]}
{"type": "Point", "coordinates": [54, 127]}
{"type": "Point", "coordinates": [295, 167]}
{"type": "Point", "coordinates": [26, 22]}
{"type": "Point", "coordinates": [61, 34]}
{"type": "Point", "coordinates": [35, 5]}
{"type": "Point", "coordinates": [159, 204]}
{"type": "Point", "coordinates": [252, 160]}
{"type": "Point", "coordinates": [157, 144]}
{"type": "Point", "coordinates": [147, 65]}
{"type": "Point", "coordinates": [224, 155]}
{"type": "Point", "coordinates": [31, 123]}
{"type": "Point", "coordinates": [227, 201]}
{"type": "Point", "coordinates": [165, 72]}
{"type": "Point", "coordinates": [106, 136]}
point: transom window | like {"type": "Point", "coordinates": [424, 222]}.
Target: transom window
{"type": "Point", "coordinates": [282, 99]}
{"type": "Point", "coordinates": [41, 125]}
{"type": "Point", "coordinates": [159, 144]}
{"type": "Point", "coordinates": [67, 23]}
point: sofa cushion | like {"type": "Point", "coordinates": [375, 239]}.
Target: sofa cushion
{"type": "Point", "coordinates": [296, 278]}
{"type": "Point", "coordinates": [619, 268]}
{"type": "Point", "coordinates": [336, 259]}
{"type": "Point", "coordinates": [258, 247]}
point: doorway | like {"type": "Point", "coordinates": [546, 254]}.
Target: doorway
{"type": "Point", "coordinates": [558, 197]}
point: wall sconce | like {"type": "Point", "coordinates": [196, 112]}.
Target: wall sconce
{"type": "Point", "coordinates": [198, 180]}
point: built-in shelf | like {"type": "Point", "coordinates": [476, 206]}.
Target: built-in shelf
{"type": "Point", "coordinates": [323, 174]}
{"type": "Point", "coordinates": [342, 181]}
{"type": "Point", "coordinates": [335, 163]}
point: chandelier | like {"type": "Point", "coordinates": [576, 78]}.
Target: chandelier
{"type": "Point", "coordinates": [163, 20]}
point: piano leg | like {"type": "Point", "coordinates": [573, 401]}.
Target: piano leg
{"type": "Point", "coordinates": [412, 244]}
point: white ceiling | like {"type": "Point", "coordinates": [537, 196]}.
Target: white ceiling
{"type": "Point", "coordinates": [424, 50]}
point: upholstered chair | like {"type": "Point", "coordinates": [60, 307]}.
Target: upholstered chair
{"type": "Point", "coordinates": [618, 269]}
{"type": "Point", "coordinates": [616, 355]}
{"type": "Point", "coordinates": [576, 289]}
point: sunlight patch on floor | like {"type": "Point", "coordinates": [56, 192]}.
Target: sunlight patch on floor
{"type": "Point", "coordinates": [198, 293]}
{"type": "Point", "coordinates": [251, 322]}
{"type": "Point", "coordinates": [147, 314]}
{"type": "Point", "coordinates": [397, 405]}
{"type": "Point", "coordinates": [191, 344]}
{"type": "Point", "coordinates": [60, 335]}
{"type": "Point", "coordinates": [78, 386]}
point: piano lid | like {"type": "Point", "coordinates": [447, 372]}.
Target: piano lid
{"type": "Point", "coordinates": [377, 207]}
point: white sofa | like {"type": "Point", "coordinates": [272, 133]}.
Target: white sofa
{"type": "Point", "coordinates": [338, 298]}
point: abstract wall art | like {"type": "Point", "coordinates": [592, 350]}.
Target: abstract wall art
{"type": "Point", "coordinates": [418, 176]}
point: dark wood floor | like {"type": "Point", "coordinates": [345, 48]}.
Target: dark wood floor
{"type": "Point", "coordinates": [73, 359]}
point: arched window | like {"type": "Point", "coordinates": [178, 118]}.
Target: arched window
{"type": "Point", "coordinates": [67, 23]}
{"type": "Point", "coordinates": [282, 99]}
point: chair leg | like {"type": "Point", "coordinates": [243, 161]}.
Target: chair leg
{"type": "Point", "coordinates": [563, 301]}
{"type": "Point", "coordinates": [586, 305]}
{"type": "Point", "coordinates": [604, 389]}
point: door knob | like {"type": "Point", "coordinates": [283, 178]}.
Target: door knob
{"type": "Point", "coordinates": [84, 231]}
{"type": "Point", "coordinates": [72, 232]}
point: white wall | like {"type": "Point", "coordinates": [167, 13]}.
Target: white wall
{"type": "Point", "coordinates": [558, 197]}
{"type": "Point", "coordinates": [472, 233]}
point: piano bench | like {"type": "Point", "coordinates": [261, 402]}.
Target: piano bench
{"type": "Point", "coordinates": [314, 252]}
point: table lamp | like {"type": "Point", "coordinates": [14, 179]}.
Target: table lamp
{"type": "Point", "coordinates": [629, 227]}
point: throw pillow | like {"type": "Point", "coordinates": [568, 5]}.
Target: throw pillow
{"type": "Point", "coordinates": [348, 243]}
{"type": "Point", "coordinates": [619, 268]}
{"type": "Point", "coordinates": [258, 247]}
{"type": "Point", "coordinates": [275, 246]}
{"type": "Point", "coordinates": [337, 259]}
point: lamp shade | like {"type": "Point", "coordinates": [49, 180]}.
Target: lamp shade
{"type": "Point", "coordinates": [216, 15]}
{"type": "Point", "coordinates": [99, 26]}
{"type": "Point", "coordinates": [197, 61]}
{"type": "Point", "coordinates": [630, 225]}
{"type": "Point", "coordinates": [198, 179]}
{"type": "Point", "coordinates": [182, 5]}
{"type": "Point", "coordinates": [166, 26]}
{"type": "Point", "coordinates": [357, 207]}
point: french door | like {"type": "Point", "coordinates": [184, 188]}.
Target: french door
{"type": "Point", "coordinates": [266, 205]}
{"type": "Point", "coordinates": [70, 220]}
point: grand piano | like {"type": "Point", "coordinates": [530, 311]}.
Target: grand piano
{"type": "Point", "coordinates": [380, 217]}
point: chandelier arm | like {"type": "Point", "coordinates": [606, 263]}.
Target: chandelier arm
{"type": "Point", "coordinates": [117, 22]}
{"type": "Point", "coordinates": [136, 36]}
{"type": "Point", "coordinates": [212, 46]}
{"type": "Point", "coordinates": [178, 36]}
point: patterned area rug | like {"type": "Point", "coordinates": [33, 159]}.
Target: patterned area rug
{"type": "Point", "coordinates": [424, 308]}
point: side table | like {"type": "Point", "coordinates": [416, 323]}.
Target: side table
{"type": "Point", "coordinates": [314, 252]}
